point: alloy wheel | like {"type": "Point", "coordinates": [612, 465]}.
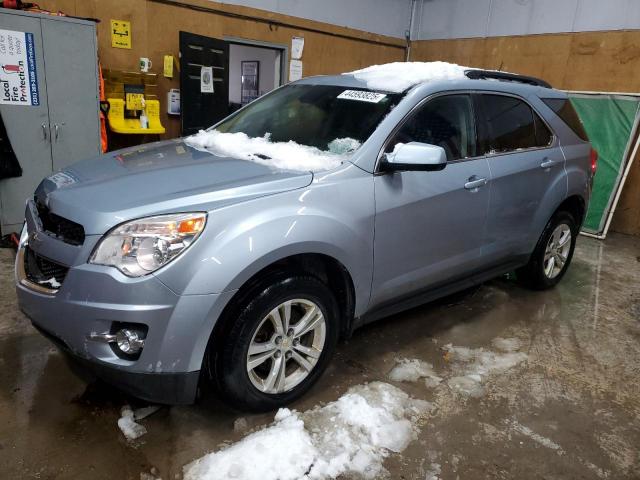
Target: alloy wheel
{"type": "Point", "coordinates": [557, 251]}
{"type": "Point", "coordinates": [286, 346]}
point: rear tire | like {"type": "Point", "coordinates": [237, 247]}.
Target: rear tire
{"type": "Point", "coordinates": [553, 253]}
{"type": "Point", "coordinates": [266, 359]}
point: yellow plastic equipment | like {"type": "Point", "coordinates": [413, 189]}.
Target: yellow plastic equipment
{"type": "Point", "coordinates": [119, 124]}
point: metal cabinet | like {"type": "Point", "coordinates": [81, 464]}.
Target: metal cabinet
{"type": "Point", "coordinates": [65, 126]}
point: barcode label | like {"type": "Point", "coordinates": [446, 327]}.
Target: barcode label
{"type": "Point", "coordinates": [362, 96]}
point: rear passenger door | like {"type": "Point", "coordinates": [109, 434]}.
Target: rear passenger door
{"type": "Point", "coordinates": [527, 174]}
{"type": "Point", "coordinates": [429, 226]}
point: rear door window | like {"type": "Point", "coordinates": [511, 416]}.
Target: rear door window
{"type": "Point", "coordinates": [446, 122]}
{"type": "Point", "coordinates": [510, 124]}
{"type": "Point", "coordinates": [563, 108]}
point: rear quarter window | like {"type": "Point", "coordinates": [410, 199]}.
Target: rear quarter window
{"type": "Point", "coordinates": [563, 108]}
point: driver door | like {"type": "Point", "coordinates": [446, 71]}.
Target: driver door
{"type": "Point", "coordinates": [430, 225]}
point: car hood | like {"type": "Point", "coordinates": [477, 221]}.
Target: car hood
{"type": "Point", "coordinates": [157, 178]}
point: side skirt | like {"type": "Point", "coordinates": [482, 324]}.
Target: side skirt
{"type": "Point", "coordinates": [435, 293]}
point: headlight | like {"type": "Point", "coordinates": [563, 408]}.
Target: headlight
{"type": "Point", "coordinates": [142, 246]}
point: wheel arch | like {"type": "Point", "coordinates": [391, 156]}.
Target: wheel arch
{"type": "Point", "coordinates": [324, 267]}
{"type": "Point", "coordinates": [576, 206]}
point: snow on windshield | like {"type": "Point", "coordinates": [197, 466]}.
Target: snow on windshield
{"type": "Point", "coordinates": [398, 76]}
{"type": "Point", "coordinates": [284, 155]}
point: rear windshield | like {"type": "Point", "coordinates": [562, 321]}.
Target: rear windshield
{"type": "Point", "coordinates": [563, 108]}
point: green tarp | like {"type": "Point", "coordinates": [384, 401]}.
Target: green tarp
{"type": "Point", "coordinates": [609, 121]}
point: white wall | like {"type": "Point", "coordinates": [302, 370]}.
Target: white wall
{"type": "Point", "coordinates": [384, 17]}
{"type": "Point", "coordinates": [439, 19]}
{"type": "Point", "coordinates": [269, 68]}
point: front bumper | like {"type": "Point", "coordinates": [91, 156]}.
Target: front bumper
{"type": "Point", "coordinates": [179, 327]}
{"type": "Point", "coordinates": [164, 388]}
{"type": "Point", "coordinates": [93, 298]}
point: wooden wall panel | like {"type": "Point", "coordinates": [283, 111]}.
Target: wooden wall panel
{"type": "Point", "coordinates": [155, 28]}
{"type": "Point", "coordinates": [589, 61]}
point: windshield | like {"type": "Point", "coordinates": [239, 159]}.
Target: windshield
{"type": "Point", "coordinates": [330, 118]}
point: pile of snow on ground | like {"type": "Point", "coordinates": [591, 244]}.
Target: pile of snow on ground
{"type": "Point", "coordinates": [352, 435]}
{"type": "Point", "coordinates": [411, 370]}
{"type": "Point", "coordinates": [398, 76]}
{"type": "Point", "coordinates": [131, 429]}
{"type": "Point", "coordinates": [475, 364]}
{"type": "Point", "coordinates": [284, 155]}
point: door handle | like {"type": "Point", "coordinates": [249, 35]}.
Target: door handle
{"type": "Point", "coordinates": [44, 131]}
{"type": "Point", "coordinates": [475, 182]}
{"type": "Point", "coordinates": [56, 129]}
{"type": "Point", "coordinates": [547, 163]}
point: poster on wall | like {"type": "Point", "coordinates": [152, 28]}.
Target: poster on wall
{"type": "Point", "coordinates": [206, 80]}
{"type": "Point", "coordinates": [120, 34]}
{"type": "Point", "coordinates": [295, 70]}
{"type": "Point", "coordinates": [297, 46]}
{"type": "Point", "coordinates": [18, 76]}
{"type": "Point", "coordinates": [250, 82]}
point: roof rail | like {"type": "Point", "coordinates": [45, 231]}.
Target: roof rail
{"type": "Point", "coordinates": [504, 76]}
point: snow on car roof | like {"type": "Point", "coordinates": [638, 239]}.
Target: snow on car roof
{"type": "Point", "coordinates": [399, 76]}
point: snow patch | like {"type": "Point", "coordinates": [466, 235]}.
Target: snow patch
{"type": "Point", "coordinates": [399, 76]}
{"type": "Point", "coordinates": [52, 282]}
{"type": "Point", "coordinates": [473, 365]}
{"type": "Point", "coordinates": [411, 370]}
{"type": "Point", "coordinates": [128, 425]}
{"type": "Point", "coordinates": [240, 425]}
{"type": "Point", "coordinates": [468, 385]}
{"type": "Point", "coordinates": [153, 475]}
{"type": "Point", "coordinates": [144, 412]}
{"type": "Point", "coordinates": [352, 435]}
{"type": "Point", "coordinates": [127, 421]}
{"type": "Point", "coordinates": [283, 155]}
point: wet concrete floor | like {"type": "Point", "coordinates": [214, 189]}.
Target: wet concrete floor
{"type": "Point", "coordinates": [571, 410]}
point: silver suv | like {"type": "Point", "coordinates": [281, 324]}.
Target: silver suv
{"type": "Point", "coordinates": [238, 258]}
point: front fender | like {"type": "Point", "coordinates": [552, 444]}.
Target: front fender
{"type": "Point", "coordinates": [240, 240]}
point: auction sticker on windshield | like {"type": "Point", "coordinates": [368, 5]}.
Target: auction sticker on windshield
{"type": "Point", "coordinates": [362, 96]}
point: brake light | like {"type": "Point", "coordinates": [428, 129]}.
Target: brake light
{"type": "Point", "coordinates": [593, 156]}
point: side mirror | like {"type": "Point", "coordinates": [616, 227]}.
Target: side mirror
{"type": "Point", "coordinates": [414, 156]}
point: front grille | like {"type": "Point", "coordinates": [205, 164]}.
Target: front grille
{"type": "Point", "coordinates": [42, 271]}
{"type": "Point", "coordinates": [65, 230]}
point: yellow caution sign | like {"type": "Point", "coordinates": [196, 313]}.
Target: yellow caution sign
{"type": "Point", "coordinates": [135, 101]}
{"type": "Point", "coordinates": [168, 66]}
{"type": "Point", "coordinates": [120, 34]}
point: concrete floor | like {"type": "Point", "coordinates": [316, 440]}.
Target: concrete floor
{"type": "Point", "coordinates": [572, 410]}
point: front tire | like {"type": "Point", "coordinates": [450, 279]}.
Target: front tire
{"type": "Point", "coordinates": [278, 344]}
{"type": "Point", "coordinates": [553, 253]}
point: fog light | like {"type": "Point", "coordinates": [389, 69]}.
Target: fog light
{"type": "Point", "coordinates": [129, 341]}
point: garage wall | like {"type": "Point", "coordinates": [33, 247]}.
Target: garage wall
{"type": "Point", "coordinates": [591, 61]}
{"type": "Point", "coordinates": [329, 49]}
{"type": "Point", "coordinates": [444, 19]}
{"type": "Point", "coordinates": [385, 17]}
